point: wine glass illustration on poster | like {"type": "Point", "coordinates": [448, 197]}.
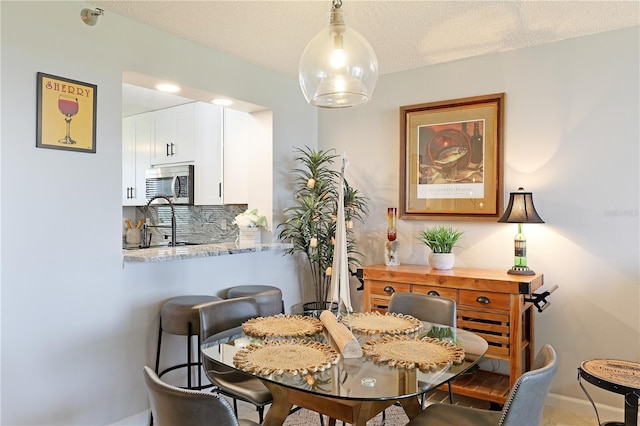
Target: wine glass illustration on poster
{"type": "Point", "coordinates": [66, 114]}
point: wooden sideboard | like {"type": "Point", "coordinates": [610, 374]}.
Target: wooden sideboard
{"type": "Point", "coordinates": [489, 303]}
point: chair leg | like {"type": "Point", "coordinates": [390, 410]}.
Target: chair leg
{"type": "Point", "coordinates": [235, 406]}
{"type": "Point", "coordinates": [260, 414]}
{"type": "Point", "coordinates": [189, 364]}
{"type": "Point", "coordinates": [158, 347]}
{"type": "Point", "coordinates": [450, 393]}
{"type": "Point", "coordinates": [384, 418]}
{"type": "Point", "coordinates": [199, 362]}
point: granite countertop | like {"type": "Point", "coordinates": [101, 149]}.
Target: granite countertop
{"type": "Point", "coordinates": [162, 254]}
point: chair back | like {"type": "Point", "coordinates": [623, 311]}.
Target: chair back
{"type": "Point", "coordinates": [173, 406]}
{"type": "Point", "coordinates": [224, 319]}
{"type": "Point", "coordinates": [226, 316]}
{"type": "Point", "coordinates": [526, 400]}
{"type": "Point", "coordinates": [439, 310]}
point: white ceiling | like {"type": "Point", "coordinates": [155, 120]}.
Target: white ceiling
{"type": "Point", "coordinates": [404, 34]}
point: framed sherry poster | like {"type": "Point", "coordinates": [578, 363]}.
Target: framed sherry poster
{"type": "Point", "coordinates": [66, 114]}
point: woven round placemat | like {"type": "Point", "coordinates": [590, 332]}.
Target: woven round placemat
{"type": "Point", "coordinates": [404, 352]}
{"type": "Point", "coordinates": [279, 357]}
{"type": "Point", "coordinates": [376, 323]}
{"type": "Point", "coordinates": [282, 326]}
{"type": "Point", "coordinates": [624, 373]}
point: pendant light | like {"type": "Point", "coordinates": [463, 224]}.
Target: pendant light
{"type": "Point", "coordinates": [338, 68]}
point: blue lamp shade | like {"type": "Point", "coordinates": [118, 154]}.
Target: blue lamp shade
{"type": "Point", "coordinates": [338, 68]}
{"type": "Point", "coordinates": [520, 209]}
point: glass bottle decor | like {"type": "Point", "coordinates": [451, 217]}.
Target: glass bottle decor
{"type": "Point", "coordinates": [391, 245]}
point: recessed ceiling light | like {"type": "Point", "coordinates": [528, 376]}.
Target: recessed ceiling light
{"type": "Point", "coordinates": [171, 88]}
{"type": "Point", "coordinates": [222, 101]}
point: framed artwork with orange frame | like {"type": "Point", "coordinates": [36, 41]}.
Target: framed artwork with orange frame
{"type": "Point", "coordinates": [451, 155]}
{"type": "Point", "coordinates": [66, 114]}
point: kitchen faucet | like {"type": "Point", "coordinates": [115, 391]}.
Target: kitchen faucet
{"type": "Point", "coordinates": [146, 242]}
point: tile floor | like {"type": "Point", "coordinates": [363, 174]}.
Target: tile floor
{"type": "Point", "coordinates": [551, 417]}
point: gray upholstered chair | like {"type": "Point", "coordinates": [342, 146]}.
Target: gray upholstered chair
{"type": "Point", "coordinates": [524, 405]}
{"type": "Point", "coordinates": [174, 406]}
{"type": "Point", "coordinates": [440, 310]}
{"type": "Point", "coordinates": [223, 319]}
{"type": "Point", "coordinates": [436, 309]}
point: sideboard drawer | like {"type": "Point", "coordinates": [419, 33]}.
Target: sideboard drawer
{"type": "Point", "coordinates": [450, 293]}
{"type": "Point", "coordinates": [484, 300]}
{"type": "Point", "coordinates": [378, 288]}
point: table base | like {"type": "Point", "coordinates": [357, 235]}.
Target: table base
{"type": "Point", "coordinates": [355, 412]}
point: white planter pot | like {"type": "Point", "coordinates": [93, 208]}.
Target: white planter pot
{"type": "Point", "coordinates": [248, 237]}
{"type": "Point", "coordinates": [441, 260]}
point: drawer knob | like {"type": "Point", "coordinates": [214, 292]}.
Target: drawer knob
{"type": "Point", "coordinates": [433, 293]}
{"type": "Point", "coordinates": [483, 299]}
{"type": "Point", "coordinates": [389, 289]}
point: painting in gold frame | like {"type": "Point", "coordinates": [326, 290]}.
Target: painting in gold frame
{"type": "Point", "coordinates": [66, 114]}
{"type": "Point", "coordinates": [451, 155]}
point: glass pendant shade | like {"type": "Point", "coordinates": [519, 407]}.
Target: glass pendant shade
{"type": "Point", "coordinates": [338, 68]}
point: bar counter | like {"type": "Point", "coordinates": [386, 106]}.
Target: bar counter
{"type": "Point", "coordinates": [166, 253]}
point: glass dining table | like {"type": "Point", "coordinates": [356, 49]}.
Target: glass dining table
{"type": "Point", "coordinates": [352, 390]}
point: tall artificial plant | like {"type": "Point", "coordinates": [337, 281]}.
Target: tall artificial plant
{"type": "Point", "coordinates": [310, 223]}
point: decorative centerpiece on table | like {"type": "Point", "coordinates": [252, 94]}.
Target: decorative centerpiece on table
{"type": "Point", "coordinates": [250, 224]}
{"type": "Point", "coordinates": [310, 224]}
{"type": "Point", "coordinates": [441, 240]}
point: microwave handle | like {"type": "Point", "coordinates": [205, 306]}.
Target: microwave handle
{"type": "Point", "coordinates": [173, 187]}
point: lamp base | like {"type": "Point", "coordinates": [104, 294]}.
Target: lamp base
{"type": "Point", "coordinates": [520, 270]}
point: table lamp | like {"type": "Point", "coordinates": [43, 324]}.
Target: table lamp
{"type": "Point", "coordinates": [520, 210]}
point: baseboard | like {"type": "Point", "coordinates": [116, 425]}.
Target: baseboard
{"type": "Point", "coordinates": [584, 407]}
{"type": "Point", "coordinates": [140, 419]}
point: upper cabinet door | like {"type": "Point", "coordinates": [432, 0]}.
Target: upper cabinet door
{"type": "Point", "coordinates": [136, 143]}
{"type": "Point", "coordinates": [208, 148]}
{"type": "Point", "coordinates": [128, 160]}
{"type": "Point", "coordinates": [237, 155]}
{"type": "Point", "coordinates": [174, 135]}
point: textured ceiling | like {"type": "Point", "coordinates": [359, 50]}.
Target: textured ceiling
{"type": "Point", "coordinates": [404, 34]}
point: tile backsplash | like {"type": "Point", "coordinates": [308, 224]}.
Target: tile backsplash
{"type": "Point", "coordinates": [195, 224]}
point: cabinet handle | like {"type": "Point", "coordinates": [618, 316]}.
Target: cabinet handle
{"type": "Point", "coordinates": [172, 153]}
{"type": "Point", "coordinates": [433, 293]}
{"type": "Point", "coordinates": [483, 299]}
{"type": "Point", "coordinates": [127, 192]}
{"type": "Point", "coordinates": [389, 289]}
{"type": "Point", "coordinates": [220, 189]}
{"type": "Point", "coordinates": [133, 194]}
{"type": "Point", "coordinates": [168, 150]}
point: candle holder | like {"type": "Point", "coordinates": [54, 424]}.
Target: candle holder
{"type": "Point", "coordinates": [391, 245]}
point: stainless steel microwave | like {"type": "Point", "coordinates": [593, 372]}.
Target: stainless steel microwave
{"type": "Point", "coordinates": [173, 182]}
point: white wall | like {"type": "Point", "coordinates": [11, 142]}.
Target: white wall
{"type": "Point", "coordinates": [572, 138]}
{"type": "Point", "coordinates": [77, 327]}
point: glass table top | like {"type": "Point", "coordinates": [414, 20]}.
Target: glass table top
{"type": "Point", "coordinates": [357, 378]}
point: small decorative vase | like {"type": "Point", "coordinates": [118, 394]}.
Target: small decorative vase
{"type": "Point", "coordinates": [441, 260]}
{"type": "Point", "coordinates": [248, 237]}
{"type": "Point", "coordinates": [391, 245]}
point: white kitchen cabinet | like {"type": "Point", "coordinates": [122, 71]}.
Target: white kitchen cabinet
{"type": "Point", "coordinates": [136, 142]}
{"type": "Point", "coordinates": [208, 154]}
{"type": "Point", "coordinates": [174, 135]}
{"type": "Point", "coordinates": [221, 164]}
{"type": "Point", "coordinates": [214, 139]}
{"type": "Point", "coordinates": [236, 154]}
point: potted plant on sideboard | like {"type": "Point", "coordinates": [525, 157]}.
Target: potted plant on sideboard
{"type": "Point", "coordinates": [441, 240]}
{"type": "Point", "coordinates": [310, 224]}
